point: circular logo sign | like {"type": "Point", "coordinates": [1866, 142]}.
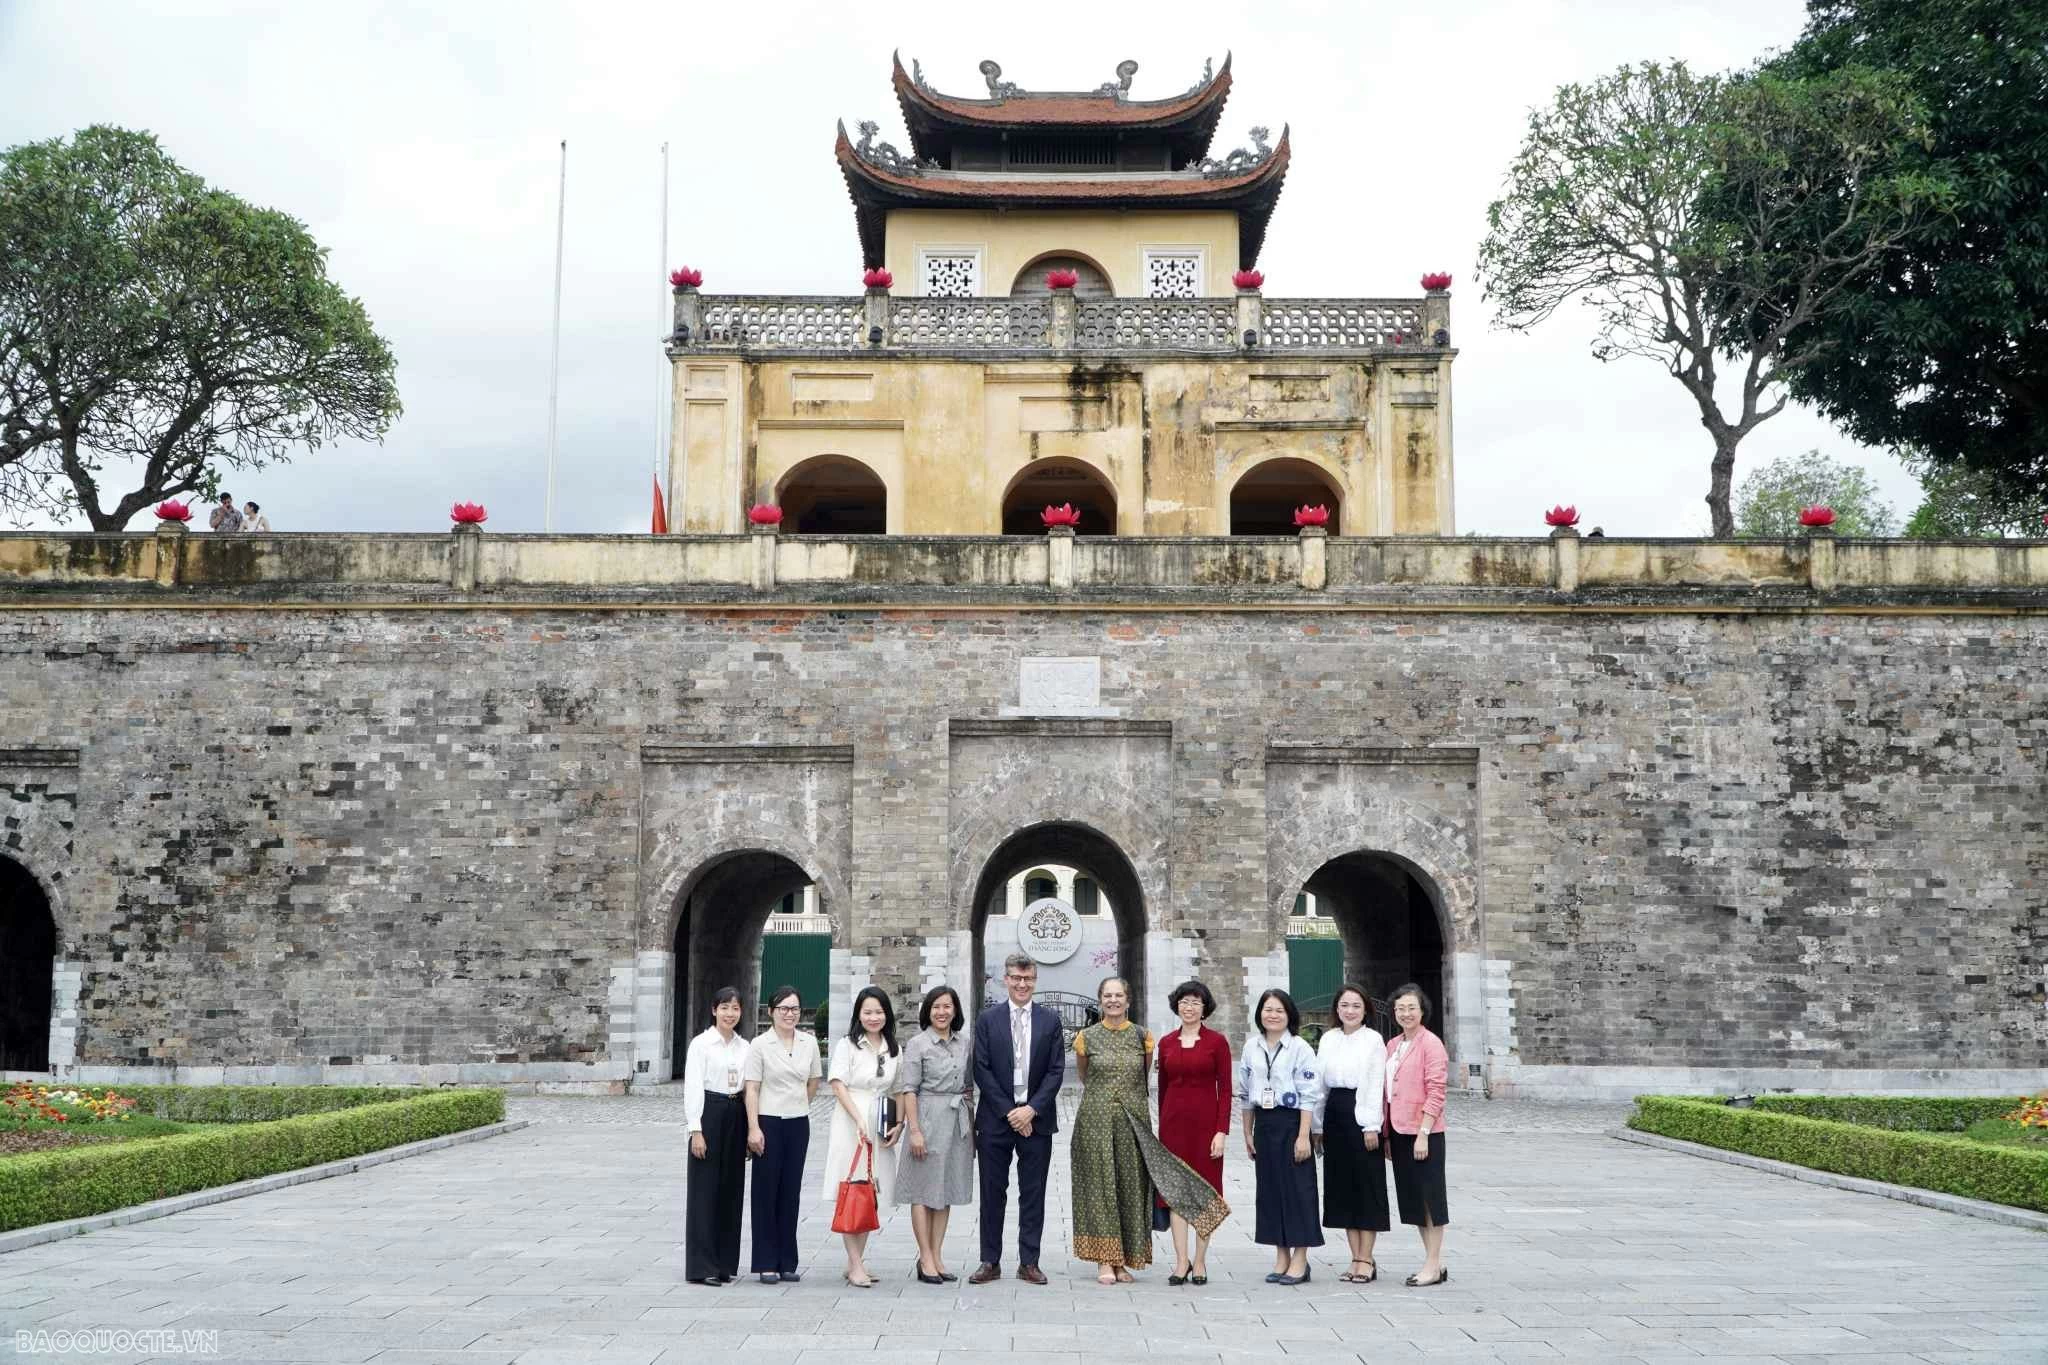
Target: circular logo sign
{"type": "Point", "coordinates": [1048, 930]}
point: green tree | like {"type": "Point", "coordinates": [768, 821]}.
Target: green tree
{"type": "Point", "coordinates": [1667, 201]}
{"type": "Point", "coordinates": [1961, 503]}
{"type": "Point", "coordinates": [1770, 499]}
{"type": "Point", "coordinates": [1944, 349]}
{"type": "Point", "coordinates": [156, 329]}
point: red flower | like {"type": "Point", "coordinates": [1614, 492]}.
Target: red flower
{"type": "Point", "coordinates": [1248, 279]}
{"type": "Point", "coordinates": [1436, 280]}
{"type": "Point", "coordinates": [1818, 515]}
{"type": "Point", "coordinates": [468, 513]}
{"type": "Point", "coordinates": [765, 514]}
{"type": "Point", "coordinates": [877, 279]}
{"type": "Point", "coordinates": [1063, 515]}
{"type": "Point", "coordinates": [1062, 279]}
{"type": "Point", "coordinates": [173, 510]}
{"type": "Point", "coordinates": [685, 276]}
{"type": "Point", "coordinates": [1317, 515]}
{"type": "Point", "coordinates": [1561, 516]}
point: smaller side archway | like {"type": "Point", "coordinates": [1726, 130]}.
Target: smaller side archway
{"type": "Point", "coordinates": [717, 938]}
{"type": "Point", "coordinates": [1092, 280]}
{"type": "Point", "coordinates": [1263, 500]}
{"type": "Point", "coordinates": [833, 495]}
{"type": "Point", "coordinates": [1054, 483]}
{"type": "Point", "coordinates": [28, 959]}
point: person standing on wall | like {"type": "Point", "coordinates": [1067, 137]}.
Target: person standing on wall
{"type": "Point", "coordinates": [782, 1076]}
{"type": "Point", "coordinates": [1348, 1123]}
{"type": "Point", "coordinates": [225, 517]}
{"type": "Point", "coordinates": [935, 1082]}
{"type": "Point", "coordinates": [715, 1109]}
{"type": "Point", "coordinates": [1019, 1062]}
{"type": "Point", "coordinates": [864, 1122]}
{"type": "Point", "coordinates": [1418, 1076]}
{"type": "Point", "coordinates": [1277, 1076]}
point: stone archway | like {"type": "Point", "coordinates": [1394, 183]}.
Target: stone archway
{"type": "Point", "coordinates": [1059, 482]}
{"type": "Point", "coordinates": [833, 495]}
{"type": "Point", "coordinates": [1092, 852]}
{"type": "Point", "coordinates": [28, 960]}
{"type": "Point", "coordinates": [1264, 499]}
{"type": "Point", "coordinates": [716, 937]}
{"type": "Point", "coordinates": [1390, 922]}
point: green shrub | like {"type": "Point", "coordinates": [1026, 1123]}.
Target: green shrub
{"type": "Point", "coordinates": [1910, 1114]}
{"type": "Point", "coordinates": [257, 1103]}
{"type": "Point", "coordinates": [74, 1182]}
{"type": "Point", "coordinates": [2003, 1175]}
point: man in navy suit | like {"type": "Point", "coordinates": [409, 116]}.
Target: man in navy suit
{"type": "Point", "coordinates": [1019, 1061]}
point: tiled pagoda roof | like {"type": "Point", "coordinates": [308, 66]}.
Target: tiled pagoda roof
{"type": "Point", "coordinates": [1188, 121]}
{"type": "Point", "coordinates": [876, 189]}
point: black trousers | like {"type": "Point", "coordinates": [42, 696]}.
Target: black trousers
{"type": "Point", "coordinates": [1034, 1159]}
{"type": "Point", "coordinates": [779, 1193]}
{"type": "Point", "coordinates": [717, 1190]}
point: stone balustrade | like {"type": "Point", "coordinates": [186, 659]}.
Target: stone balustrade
{"type": "Point", "coordinates": [1799, 574]}
{"type": "Point", "coordinates": [1054, 324]}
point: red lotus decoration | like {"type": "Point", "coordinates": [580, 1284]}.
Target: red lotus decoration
{"type": "Point", "coordinates": [764, 514]}
{"type": "Point", "coordinates": [1818, 515]}
{"type": "Point", "coordinates": [468, 514]}
{"type": "Point", "coordinates": [173, 510]}
{"type": "Point", "coordinates": [1062, 279]}
{"type": "Point", "coordinates": [685, 277]}
{"type": "Point", "coordinates": [1436, 281]}
{"type": "Point", "coordinates": [1561, 516]}
{"type": "Point", "coordinates": [1317, 515]}
{"type": "Point", "coordinates": [1396, 338]}
{"type": "Point", "coordinates": [877, 279]}
{"type": "Point", "coordinates": [1248, 279]}
{"type": "Point", "coordinates": [1063, 515]}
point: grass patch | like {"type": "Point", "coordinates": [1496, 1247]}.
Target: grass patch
{"type": "Point", "coordinates": [1948, 1161]}
{"type": "Point", "coordinates": [208, 1150]}
{"type": "Point", "coordinates": [2007, 1133]}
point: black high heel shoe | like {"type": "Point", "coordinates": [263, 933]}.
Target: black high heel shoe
{"type": "Point", "coordinates": [923, 1278]}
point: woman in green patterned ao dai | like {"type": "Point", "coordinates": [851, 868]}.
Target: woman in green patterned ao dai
{"type": "Point", "coordinates": [1119, 1163]}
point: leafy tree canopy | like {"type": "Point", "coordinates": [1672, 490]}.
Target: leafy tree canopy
{"type": "Point", "coordinates": [1769, 501]}
{"type": "Point", "coordinates": [149, 321]}
{"type": "Point", "coordinates": [1944, 348]}
{"type": "Point", "coordinates": [1707, 217]}
{"type": "Point", "coordinates": [1961, 503]}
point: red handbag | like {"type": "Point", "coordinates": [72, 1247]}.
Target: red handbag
{"type": "Point", "coordinates": [854, 1210]}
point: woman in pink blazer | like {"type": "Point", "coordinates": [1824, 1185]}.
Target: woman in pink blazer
{"type": "Point", "coordinates": [1418, 1072]}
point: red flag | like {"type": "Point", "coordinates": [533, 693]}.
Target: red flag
{"type": "Point", "coordinates": [660, 509]}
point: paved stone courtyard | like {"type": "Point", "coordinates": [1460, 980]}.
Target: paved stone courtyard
{"type": "Point", "coordinates": [561, 1243]}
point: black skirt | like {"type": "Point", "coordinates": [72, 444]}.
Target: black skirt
{"type": "Point", "coordinates": [716, 1185]}
{"type": "Point", "coordinates": [1419, 1185]}
{"type": "Point", "coordinates": [1286, 1187]}
{"type": "Point", "coordinates": [1354, 1179]}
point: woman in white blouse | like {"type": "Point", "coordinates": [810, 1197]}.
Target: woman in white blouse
{"type": "Point", "coordinates": [781, 1075]}
{"type": "Point", "coordinates": [863, 1077]}
{"type": "Point", "coordinates": [718, 1153]}
{"type": "Point", "coordinates": [1348, 1118]}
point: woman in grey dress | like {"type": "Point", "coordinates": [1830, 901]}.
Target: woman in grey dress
{"type": "Point", "coordinates": [934, 1080]}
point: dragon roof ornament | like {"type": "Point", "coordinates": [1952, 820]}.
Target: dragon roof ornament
{"type": "Point", "coordinates": [1238, 162]}
{"type": "Point", "coordinates": [884, 155]}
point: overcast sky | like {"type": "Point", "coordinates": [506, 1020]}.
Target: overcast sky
{"type": "Point", "coordinates": [418, 143]}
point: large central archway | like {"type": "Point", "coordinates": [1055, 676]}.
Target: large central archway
{"type": "Point", "coordinates": [833, 495]}
{"type": "Point", "coordinates": [718, 937]}
{"type": "Point", "coordinates": [1389, 917]}
{"type": "Point", "coordinates": [1058, 482]}
{"type": "Point", "coordinates": [1092, 855]}
{"type": "Point", "coordinates": [1263, 502]}
{"type": "Point", "coordinates": [28, 957]}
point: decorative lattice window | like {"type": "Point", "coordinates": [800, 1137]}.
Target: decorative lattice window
{"type": "Point", "coordinates": [1172, 273]}
{"type": "Point", "coordinates": [950, 274]}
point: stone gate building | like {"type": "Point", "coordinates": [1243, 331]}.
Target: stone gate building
{"type": "Point", "coordinates": [1638, 813]}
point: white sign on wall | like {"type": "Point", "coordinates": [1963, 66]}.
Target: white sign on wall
{"type": "Point", "coordinates": [1048, 930]}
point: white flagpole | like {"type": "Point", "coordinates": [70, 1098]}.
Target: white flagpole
{"type": "Point", "coordinates": [661, 322]}
{"type": "Point", "coordinates": [555, 356]}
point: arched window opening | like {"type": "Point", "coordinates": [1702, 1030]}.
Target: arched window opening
{"type": "Point", "coordinates": [1092, 282]}
{"type": "Point", "coordinates": [833, 496]}
{"type": "Point", "coordinates": [1058, 483]}
{"type": "Point", "coordinates": [1264, 500]}
{"type": "Point", "coordinates": [751, 920]}
{"type": "Point", "coordinates": [28, 959]}
{"type": "Point", "coordinates": [1111, 942]}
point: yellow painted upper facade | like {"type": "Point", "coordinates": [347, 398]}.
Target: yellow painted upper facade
{"type": "Point", "coordinates": [1007, 246]}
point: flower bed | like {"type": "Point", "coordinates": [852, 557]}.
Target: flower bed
{"type": "Point", "coordinates": [1933, 1158]}
{"type": "Point", "coordinates": [263, 1130]}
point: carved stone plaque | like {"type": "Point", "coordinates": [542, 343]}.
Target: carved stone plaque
{"type": "Point", "coordinates": [1059, 687]}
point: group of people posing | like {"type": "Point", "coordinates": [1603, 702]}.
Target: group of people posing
{"type": "Point", "coordinates": [916, 1119]}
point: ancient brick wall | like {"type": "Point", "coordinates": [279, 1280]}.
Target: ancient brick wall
{"type": "Point", "coordinates": [361, 841]}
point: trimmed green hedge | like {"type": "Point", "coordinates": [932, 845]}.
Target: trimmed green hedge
{"type": "Point", "coordinates": [1976, 1170]}
{"type": "Point", "coordinates": [1909, 1114]}
{"type": "Point", "coordinates": [75, 1182]}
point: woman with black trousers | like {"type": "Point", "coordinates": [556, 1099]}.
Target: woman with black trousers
{"type": "Point", "coordinates": [782, 1076]}
{"type": "Point", "coordinates": [717, 1119]}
